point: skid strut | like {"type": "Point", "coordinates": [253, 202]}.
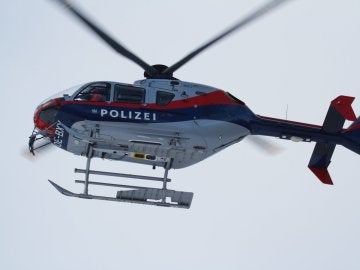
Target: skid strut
{"type": "Point", "coordinates": [89, 155]}
{"type": "Point", "coordinates": [129, 193]}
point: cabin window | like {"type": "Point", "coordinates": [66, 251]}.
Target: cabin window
{"type": "Point", "coordinates": [163, 98]}
{"type": "Point", "coordinates": [129, 94]}
{"type": "Point", "coordinates": [95, 92]}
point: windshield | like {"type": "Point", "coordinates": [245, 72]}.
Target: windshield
{"type": "Point", "coordinates": [68, 92]}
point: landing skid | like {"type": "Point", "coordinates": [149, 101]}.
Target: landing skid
{"type": "Point", "coordinates": [140, 196]}
{"type": "Point", "coordinates": [132, 194]}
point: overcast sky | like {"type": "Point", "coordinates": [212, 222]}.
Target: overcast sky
{"type": "Point", "coordinates": [250, 210]}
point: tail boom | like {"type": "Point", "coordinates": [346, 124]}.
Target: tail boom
{"type": "Point", "coordinates": [326, 136]}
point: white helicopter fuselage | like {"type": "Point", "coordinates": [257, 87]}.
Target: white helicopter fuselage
{"type": "Point", "coordinates": [196, 123]}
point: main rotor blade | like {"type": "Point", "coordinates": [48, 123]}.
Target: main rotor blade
{"type": "Point", "coordinates": [105, 37]}
{"type": "Point", "coordinates": [237, 26]}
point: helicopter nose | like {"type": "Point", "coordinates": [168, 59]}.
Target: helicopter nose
{"type": "Point", "coordinates": [45, 115]}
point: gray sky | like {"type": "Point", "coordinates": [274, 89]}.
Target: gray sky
{"type": "Point", "coordinates": [250, 211]}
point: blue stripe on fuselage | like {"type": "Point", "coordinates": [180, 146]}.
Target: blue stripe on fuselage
{"type": "Point", "coordinates": [71, 113]}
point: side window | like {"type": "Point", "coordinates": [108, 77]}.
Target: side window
{"type": "Point", "coordinates": [163, 98]}
{"type": "Point", "coordinates": [129, 94]}
{"type": "Point", "coordinates": [95, 92]}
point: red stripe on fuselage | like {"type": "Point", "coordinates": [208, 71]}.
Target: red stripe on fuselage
{"type": "Point", "coordinates": [290, 122]}
{"type": "Point", "coordinates": [217, 97]}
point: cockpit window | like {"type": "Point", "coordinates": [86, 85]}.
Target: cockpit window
{"type": "Point", "coordinates": [129, 94]}
{"type": "Point", "coordinates": [95, 92]}
{"type": "Point", "coordinates": [163, 98]}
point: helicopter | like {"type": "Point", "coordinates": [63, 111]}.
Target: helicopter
{"type": "Point", "coordinates": [162, 121]}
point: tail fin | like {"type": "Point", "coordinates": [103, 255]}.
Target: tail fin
{"type": "Point", "coordinates": [340, 110]}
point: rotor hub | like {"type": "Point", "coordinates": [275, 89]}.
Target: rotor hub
{"type": "Point", "coordinates": [160, 68]}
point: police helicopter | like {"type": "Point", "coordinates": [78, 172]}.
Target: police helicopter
{"type": "Point", "coordinates": [162, 121]}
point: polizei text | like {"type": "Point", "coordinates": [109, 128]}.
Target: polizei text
{"type": "Point", "coordinates": [132, 115]}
